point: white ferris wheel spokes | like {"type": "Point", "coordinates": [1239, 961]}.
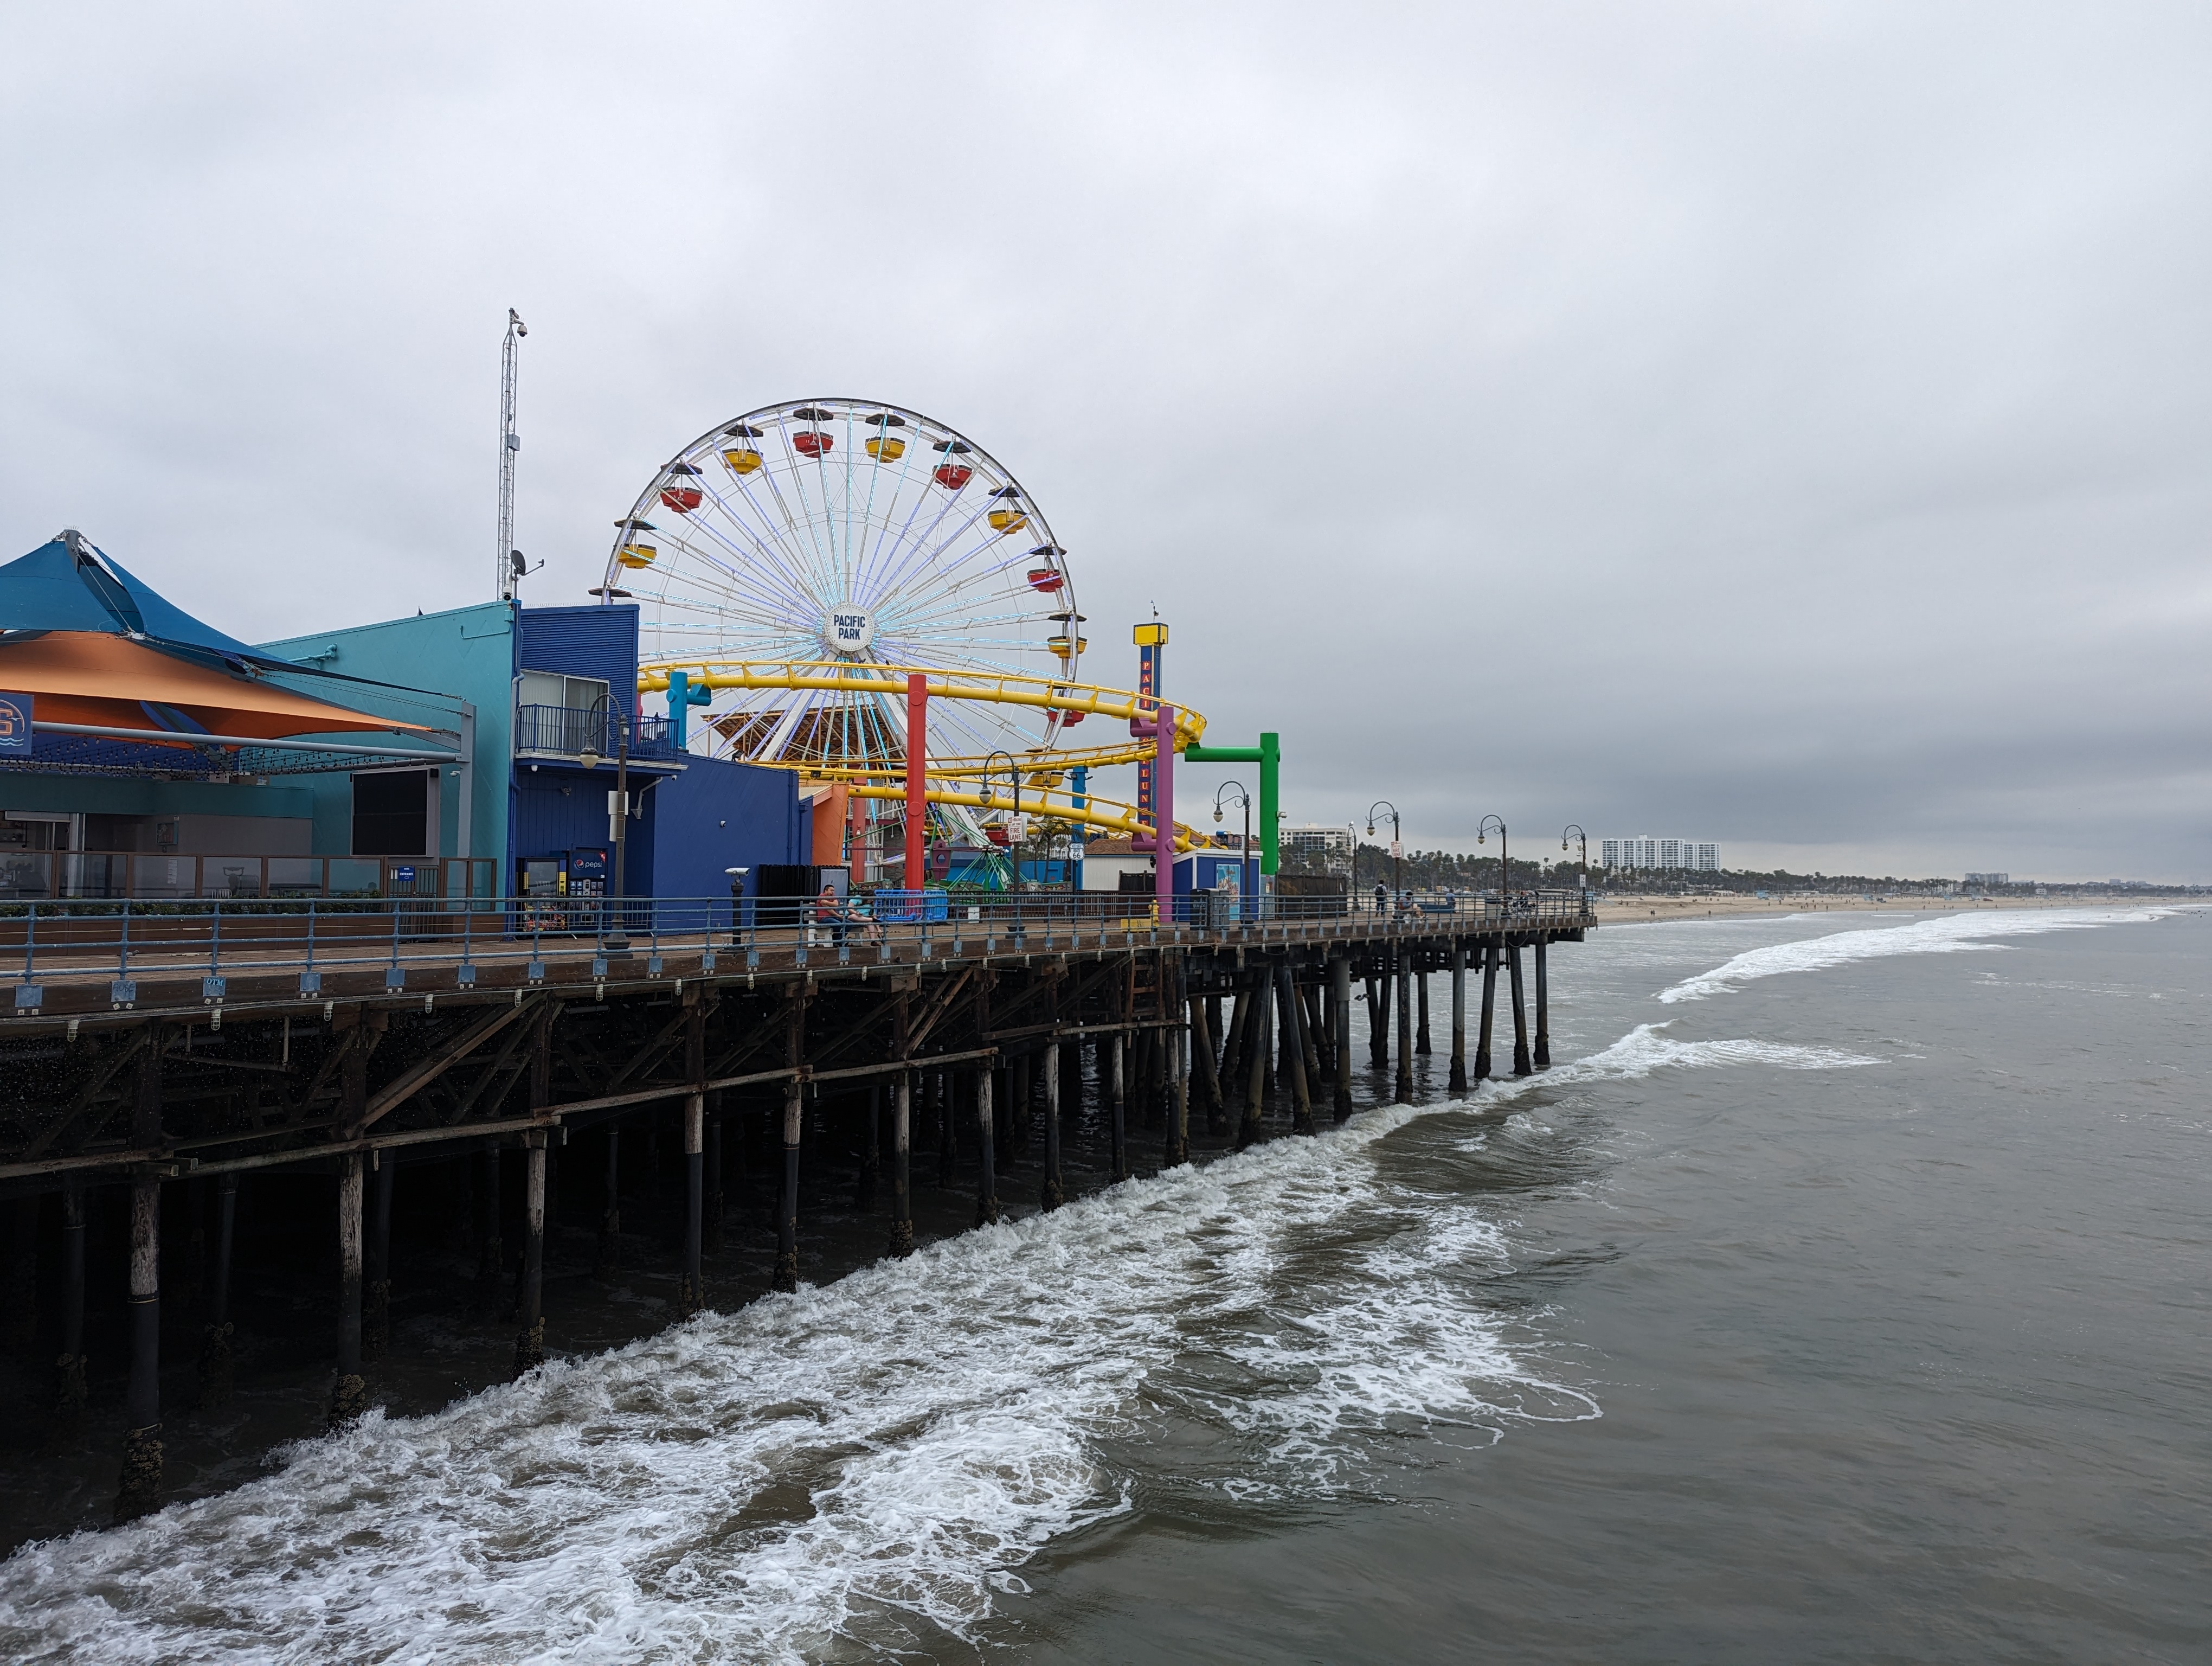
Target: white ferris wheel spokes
{"type": "Point", "coordinates": [849, 533]}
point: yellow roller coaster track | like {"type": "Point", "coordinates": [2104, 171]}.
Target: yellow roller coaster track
{"type": "Point", "coordinates": [1044, 771]}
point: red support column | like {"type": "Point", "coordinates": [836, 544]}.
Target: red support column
{"type": "Point", "coordinates": [917, 803]}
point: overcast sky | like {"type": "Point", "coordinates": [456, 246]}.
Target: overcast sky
{"type": "Point", "coordinates": [1781, 424]}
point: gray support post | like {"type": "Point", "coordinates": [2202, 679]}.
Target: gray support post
{"type": "Point", "coordinates": [529, 1339]}
{"type": "Point", "coordinates": [1259, 1045]}
{"type": "Point", "coordinates": [1421, 987]}
{"type": "Point", "coordinates": [1294, 1050]}
{"type": "Point", "coordinates": [1459, 1016]}
{"type": "Point", "coordinates": [140, 1489]}
{"type": "Point", "coordinates": [902, 1242]}
{"type": "Point", "coordinates": [349, 1394]}
{"type": "Point", "coordinates": [1339, 967]}
{"type": "Point", "coordinates": [1489, 1008]}
{"type": "Point", "coordinates": [1178, 1040]}
{"type": "Point", "coordinates": [690, 1298]}
{"type": "Point", "coordinates": [1055, 1191]}
{"type": "Point", "coordinates": [1543, 1010]}
{"type": "Point", "coordinates": [1380, 987]}
{"type": "Point", "coordinates": [610, 1256]}
{"type": "Point", "coordinates": [1405, 980]}
{"type": "Point", "coordinates": [69, 1385]}
{"type": "Point", "coordinates": [986, 1178]}
{"type": "Point", "coordinates": [1118, 1124]}
{"type": "Point", "coordinates": [376, 1309]}
{"type": "Point", "coordinates": [786, 1277]}
{"type": "Point", "coordinates": [1521, 1065]}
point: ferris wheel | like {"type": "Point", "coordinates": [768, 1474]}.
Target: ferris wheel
{"type": "Point", "coordinates": [847, 534]}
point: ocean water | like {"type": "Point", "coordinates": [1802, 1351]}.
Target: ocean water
{"type": "Point", "coordinates": [1842, 1294]}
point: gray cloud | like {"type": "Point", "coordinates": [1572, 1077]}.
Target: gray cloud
{"type": "Point", "coordinates": [1783, 425]}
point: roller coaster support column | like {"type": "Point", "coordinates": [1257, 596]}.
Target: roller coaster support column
{"type": "Point", "coordinates": [917, 784]}
{"type": "Point", "coordinates": [1268, 755]}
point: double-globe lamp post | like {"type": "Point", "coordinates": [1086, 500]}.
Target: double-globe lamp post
{"type": "Point", "coordinates": [1245, 883]}
{"type": "Point", "coordinates": [1014, 842]}
{"type": "Point", "coordinates": [1573, 830]}
{"type": "Point", "coordinates": [1397, 845]}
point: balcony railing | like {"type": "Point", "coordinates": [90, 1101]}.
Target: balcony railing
{"type": "Point", "coordinates": [571, 731]}
{"type": "Point", "coordinates": [39, 876]}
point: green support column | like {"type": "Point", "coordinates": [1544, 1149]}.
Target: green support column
{"type": "Point", "coordinates": [1268, 755]}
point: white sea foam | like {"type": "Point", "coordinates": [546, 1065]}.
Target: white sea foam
{"type": "Point", "coordinates": [1951, 933]}
{"type": "Point", "coordinates": [845, 1471]}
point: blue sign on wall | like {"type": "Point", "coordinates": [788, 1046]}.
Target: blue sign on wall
{"type": "Point", "coordinates": [15, 723]}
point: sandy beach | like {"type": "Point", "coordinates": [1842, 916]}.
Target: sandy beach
{"type": "Point", "coordinates": [1615, 910]}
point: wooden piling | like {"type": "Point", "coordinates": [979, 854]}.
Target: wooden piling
{"type": "Point", "coordinates": [1178, 1002]}
{"type": "Point", "coordinates": [376, 1304]}
{"type": "Point", "coordinates": [1117, 1112]}
{"type": "Point", "coordinates": [1340, 966]}
{"type": "Point", "coordinates": [350, 1393]}
{"type": "Point", "coordinates": [1543, 1010]}
{"type": "Point", "coordinates": [1521, 1065]}
{"type": "Point", "coordinates": [1421, 987]}
{"type": "Point", "coordinates": [1379, 988]}
{"type": "Point", "coordinates": [1489, 952]}
{"type": "Point", "coordinates": [690, 1295]}
{"type": "Point", "coordinates": [786, 1276]}
{"type": "Point", "coordinates": [1294, 1051]}
{"type": "Point", "coordinates": [902, 1233]}
{"type": "Point", "coordinates": [1232, 1058]}
{"type": "Point", "coordinates": [530, 1338]}
{"type": "Point", "coordinates": [1404, 1082]}
{"type": "Point", "coordinates": [1458, 1017]}
{"type": "Point", "coordinates": [1208, 1077]}
{"type": "Point", "coordinates": [139, 1489]}
{"type": "Point", "coordinates": [987, 1176]}
{"type": "Point", "coordinates": [1054, 1193]}
{"type": "Point", "coordinates": [1261, 1048]}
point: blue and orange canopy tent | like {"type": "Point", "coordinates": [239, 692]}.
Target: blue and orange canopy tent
{"type": "Point", "coordinates": [105, 656]}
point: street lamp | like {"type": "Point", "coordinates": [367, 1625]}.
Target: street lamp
{"type": "Point", "coordinates": [1244, 882]}
{"type": "Point", "coordinates": [1397, 845]}
{"type": "Point", "coordinates": [1504, 873]}
{"type": "Point", "coordinates": [1013, 775]}
{"type": "Point", "coordinates": [605, 708]}
{"type": "Point", "coordinates": [1575, 830]}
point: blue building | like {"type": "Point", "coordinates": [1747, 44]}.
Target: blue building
{"type": "Point", "coordinates": [543, 698]}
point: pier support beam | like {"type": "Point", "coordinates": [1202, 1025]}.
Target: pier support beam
{"type": "Point", "coordinates": [140, 1488]}
{"type": "Point", "coordinates": [1259, 1046]}
{"type": "Point", "coordinates": [1201, 1054]}
{"type": "Point", "coordinates": [1404, 1083]}
{"type": "Point", "coordinates": [350, 1393]}
{"type": "Point", "coordinates": [689, 1296]}
{"type": "Point", "coordinates": [1339, 971]}
{"type": "Point", "coordinates": [987, 1176]}
{"type": "Point", "coordinates": [530, 1339]}
{"type": "Point", "coordinates": [786, 1277]}
{"type": "Point", "coordinates": [1543, 1010]}
{"type": "Point", "coordinates": [1294, 1049]}
{"type": "Point", "coordinates": [1054, 1193]}
{"type": "Point", "coordinates": [376, 1303]}
{"type": "Point", "coordinates": [1489, 1007]}
{"type": "Point", "coordinates": [1421, 987]}
{"type": "Point", "coordinates": [901, 1237]}
{"type": "Point", "coordinates": [1118, 1107]}
{"type": "Point", "coordinates": [1179, 1004]}
{"type": "Point", "coordinates": [1521, 1065]}
{"type": "Point", "coordinates": [69, 1370]}
{"type": "Point", "coordinates": [1459, 1016]}
{"type": "Point", "coordinates": [1224, 1117]}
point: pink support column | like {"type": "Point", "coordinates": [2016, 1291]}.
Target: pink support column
{"type": "Point", "coordinates": [917, 788]}
{"type": "Point", "coordinates": [1163, 851]}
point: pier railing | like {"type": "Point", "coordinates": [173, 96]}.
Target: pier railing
{"type": "Point", "coordinates": [449, 942]}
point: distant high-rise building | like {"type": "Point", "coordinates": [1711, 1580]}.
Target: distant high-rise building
{"type": "Point", "coordinates": [1311, 850]}
{"type": "Point", "coordinates": [1697, 856]}
{"type": "Point", "coordinates": [1989, 879]}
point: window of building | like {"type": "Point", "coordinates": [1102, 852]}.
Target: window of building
{"type": "Point", "coordinates": [392, 812]}
{"type": "Point", "coordinates": [550, 687]}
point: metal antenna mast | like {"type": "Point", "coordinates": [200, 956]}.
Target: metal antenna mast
{"type": "Point", "coordinates": [510, 568]}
